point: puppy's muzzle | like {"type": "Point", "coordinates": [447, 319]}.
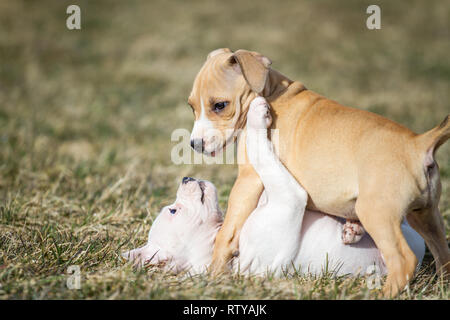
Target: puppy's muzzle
{"type": "Point", "coordinates": [187, 179]}
{"type": "Point", "coordinates": [198, 145]}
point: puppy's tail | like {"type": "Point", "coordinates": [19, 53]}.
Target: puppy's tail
{"type": "Point", "coordinates": [431, 140]}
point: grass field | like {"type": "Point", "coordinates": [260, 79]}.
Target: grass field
{"type": "Point", "coordinates": [86, 118]}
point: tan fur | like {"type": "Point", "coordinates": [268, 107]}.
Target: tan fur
{"type": "Point", "coordinates": [353, 163]}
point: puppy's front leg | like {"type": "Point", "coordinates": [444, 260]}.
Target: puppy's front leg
{"type": "Point", "coordinates": [243, 200]}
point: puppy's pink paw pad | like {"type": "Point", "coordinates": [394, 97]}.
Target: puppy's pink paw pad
{"type": "Point", "coordinates": [352, 232]}
{"type": "Point", "coordinates": [259, 116]}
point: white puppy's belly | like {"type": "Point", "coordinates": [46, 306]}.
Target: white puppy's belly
{"type": "Point", "coordinates": [321, 248]}
{"type": "Point", "coordinates": [314, 249]}
{"type": "Point", "coordinates": [262, 248]}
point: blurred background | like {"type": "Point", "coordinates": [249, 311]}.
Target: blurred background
{"type": "Point", "coordinates": [86, 116]}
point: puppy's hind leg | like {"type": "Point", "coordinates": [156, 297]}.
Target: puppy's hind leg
{"type": "Point", "coordinates": [382, 220]}
{"type": "Point", "coordinates": [428, 220]}
{"type": "Point", "coordinates": [430, 225]}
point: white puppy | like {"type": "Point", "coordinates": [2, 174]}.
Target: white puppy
{"type": "Point", "coordinates": [279, 236]}
{"type": "Point", "coordinates": [182, 236]}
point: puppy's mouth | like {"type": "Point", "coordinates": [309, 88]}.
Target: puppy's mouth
{"type": "Point", "coordinates": [211, 154]}
{"type": "Point", "coordinates": [202, 186]}
{"type": "Point", "coordinates": [222, 146]}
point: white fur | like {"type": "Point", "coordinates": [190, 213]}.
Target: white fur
{"type": "Point", "coordinates": [204, 130]}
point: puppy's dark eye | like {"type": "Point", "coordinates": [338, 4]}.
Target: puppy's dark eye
{"type": "Point", "coordinates": [220, 106]}
{"type": "Point", "coordinates": [173, 211]}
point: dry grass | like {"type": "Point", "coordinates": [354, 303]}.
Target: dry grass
{"type": "Point", "coordinates": [86, 118]}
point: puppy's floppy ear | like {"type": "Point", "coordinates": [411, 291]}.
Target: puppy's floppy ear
{"type": "Point", "coordinates": [218, 51]}
{"type": "Point", "coordinates": [254, 67]}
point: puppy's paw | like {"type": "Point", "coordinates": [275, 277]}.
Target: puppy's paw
{"type": "Point", "coordinates": [259, 116]}
{"type": "Point", "coordinates": [352, 232]}
{"type": "Point", "coordinates": [135, 257]}
{"type": "Point", "coordinates": [148, 254]}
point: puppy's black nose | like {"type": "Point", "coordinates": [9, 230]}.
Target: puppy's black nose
{"type": "Point", "coordinates": [187, 179]}
{"type": "Point", "coordinates": [198, 145]}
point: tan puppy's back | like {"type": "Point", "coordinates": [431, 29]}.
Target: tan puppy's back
{"type": "Point", "coordinates": [324, 133]}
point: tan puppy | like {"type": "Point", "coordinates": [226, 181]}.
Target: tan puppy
{"type": "Point", "coordinates": [352, 163]}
